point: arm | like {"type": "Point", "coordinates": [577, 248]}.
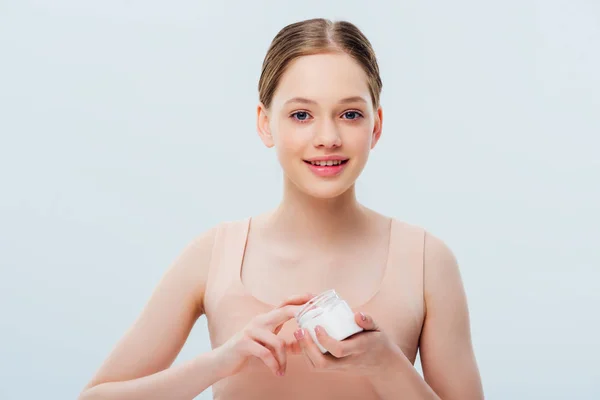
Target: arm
{"type": "Point", "coordinates": [185, 381]}
{"type": "Point", "coordinates": [447, 356]}
{"type": "Point", "coordinates": [449, 366]}
{"type": "Point", "coordinates": [138, 366]}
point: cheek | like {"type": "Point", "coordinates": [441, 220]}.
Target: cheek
{"type": "Point", "coordinates": [360, 142]}
{"type": "Point", "coordinates": [288, 144]}
{"type": "Point", "coordinates": [290, 140]}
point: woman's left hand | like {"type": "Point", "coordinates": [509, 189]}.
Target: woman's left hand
{"type": "Point", "coordinates": [368, 352]}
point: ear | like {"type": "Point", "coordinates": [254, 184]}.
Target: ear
{"type": "Point", "coordinates": [262, 125]}
{"type": "Point", "coordinates": [378, 127]}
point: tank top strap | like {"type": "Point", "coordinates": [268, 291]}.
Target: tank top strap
{"type": "Point", "coordinates": [404, 274]}
{"type": "Point", "coordinates": [226, 259]}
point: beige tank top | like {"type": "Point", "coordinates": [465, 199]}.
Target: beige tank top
{"type": "Point", "coordinates": [397, 307]}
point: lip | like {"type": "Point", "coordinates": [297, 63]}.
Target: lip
{"type": "Point", "coordinates": [327, 171]}
{"type": "Point", "coordinates": [327, 158]}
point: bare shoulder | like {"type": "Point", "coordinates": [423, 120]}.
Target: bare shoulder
{"type": "Point", "coordinates": [193, 262]}
{"type": "Point", "coordinates": [405, 228]}
{"type": "Point", "coordinates": [438, 257]}
{"type": "Point", "coordinates": [442, 278]}
{"type": "Point", "coordinates": [439, 260]}
{"type": "Point", "coordinates": [441, 275]}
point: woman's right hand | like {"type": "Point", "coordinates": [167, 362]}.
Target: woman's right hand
{"type": "Point", "coordinates": [259, 339]}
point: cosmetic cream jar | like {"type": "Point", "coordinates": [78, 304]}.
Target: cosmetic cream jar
{"type": "Point", "coordinates": [332, 313]}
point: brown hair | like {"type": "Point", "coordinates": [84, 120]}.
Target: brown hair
{"type": "Point", "coordinates": [317, 36]}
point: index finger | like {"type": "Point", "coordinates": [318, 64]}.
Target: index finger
{"type": "Point", "coordinates": [294, 300]}
{"type": "Point", "coordinates": [280, 315]}
{"type": "Point", "coordinates": [297, 300]}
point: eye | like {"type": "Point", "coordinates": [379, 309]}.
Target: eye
{"type": "Point", "coordinates": [300, 116]}
{"type": "Point", "coordinates": [352, 115]}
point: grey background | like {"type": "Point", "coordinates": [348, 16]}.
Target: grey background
{"type": "Point", "coordinates": [127, 128]}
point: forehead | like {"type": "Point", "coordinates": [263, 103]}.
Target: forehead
{"type": "Point", "coordinates": [324, 78]}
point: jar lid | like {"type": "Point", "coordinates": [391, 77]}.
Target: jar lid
{"type": "Point", "coordinates": [311, 303]}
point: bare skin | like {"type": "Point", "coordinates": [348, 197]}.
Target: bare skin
{"type": "Point", "coordinates": [318, 235]}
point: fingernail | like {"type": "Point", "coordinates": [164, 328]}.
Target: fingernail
{"type": "Point", "coordinates": [363, 317]}
{"type": "Point", "coordinates": [299, 334]}
{"type": "Point", "coordinates": [318, 330]}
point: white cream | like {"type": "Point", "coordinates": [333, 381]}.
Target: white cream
{"type": "Point", "coordinates": [332, 313]}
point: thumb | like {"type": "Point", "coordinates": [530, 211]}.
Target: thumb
{"type": "Point", "coordinates": [365, 321]}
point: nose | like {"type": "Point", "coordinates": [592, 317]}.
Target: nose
{"type": "Point", "coordinates": [327, 135]}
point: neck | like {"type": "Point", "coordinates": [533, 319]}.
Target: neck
{"type": "Point", "coordinates": [302, 217]}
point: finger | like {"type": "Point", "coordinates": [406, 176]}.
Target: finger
{"type": "Point", "coordinates": [265, 355]}
{"type": "Point", "coordinates": [294, 300]}
{"type": "Point", "coordinates": [297, 300]}
{"type": "Point", "coordinates": [365, 321]}
{"type": "Point", "coordinates": [337, 348]}
{"type": "Point", "coordinates": [299, 335]}
{"type": "Point", "coordinates": [273, 343]}
{"type": "Point", "coordinates": [293, 347]}
{"type": "Point", "coordinates": [310, 349]}
{"type": "Point", "coordinates": [278, 316]}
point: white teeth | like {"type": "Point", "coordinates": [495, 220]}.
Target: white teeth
{"type": "Point", "coordinates": [326, 163]}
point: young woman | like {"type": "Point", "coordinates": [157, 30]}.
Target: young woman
{"type": "Point", "coordinates": [319, 109]}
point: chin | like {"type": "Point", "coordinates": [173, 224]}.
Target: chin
{"type": "Point", "coordinates": [325, 190]}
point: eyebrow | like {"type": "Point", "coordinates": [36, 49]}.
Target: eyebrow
{"type": "Point", "coordinates": [352, 99]}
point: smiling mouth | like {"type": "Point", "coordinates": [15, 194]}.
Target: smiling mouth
{"type": "Point", "coordinates": [329, 163]}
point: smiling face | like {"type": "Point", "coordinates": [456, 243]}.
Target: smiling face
{"type": "Point", "coordinates": [322, 123]}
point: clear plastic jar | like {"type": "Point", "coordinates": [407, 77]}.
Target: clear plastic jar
{"type": "Point", "coordinates": [331, 312]}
